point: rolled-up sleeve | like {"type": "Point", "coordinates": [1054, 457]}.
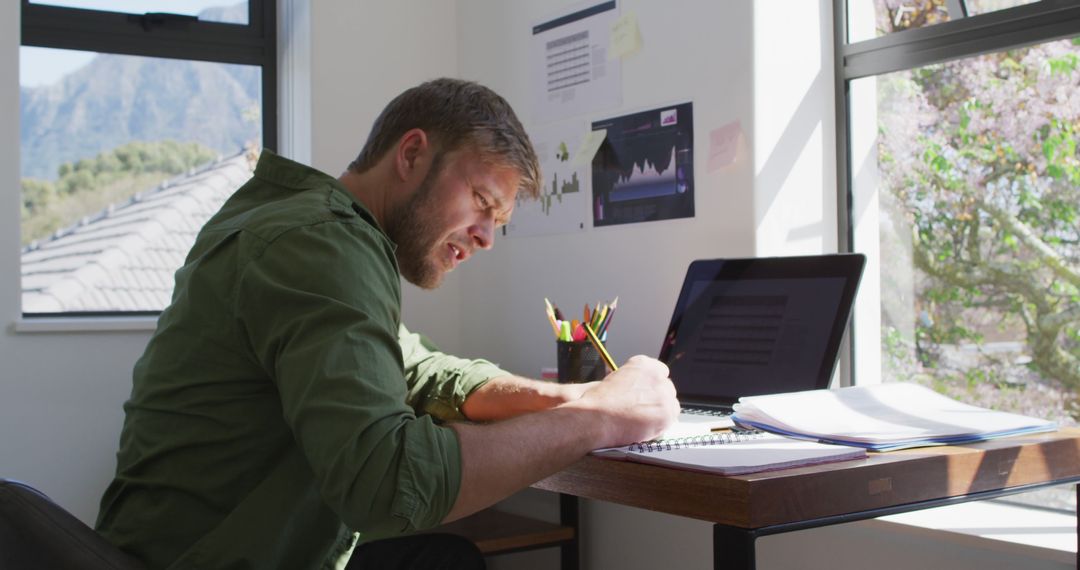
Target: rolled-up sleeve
{"type": "Point", "coordinates": [439, 383]}
{"type": "Point", "coordinates": [320, 307]}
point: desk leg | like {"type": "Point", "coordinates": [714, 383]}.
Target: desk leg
{"type": "Point", "coordinates": [568, 516]}
{"type": "Point", "coordinates": [733, 547]}
{"type": "Point", "coordinates": [1078, 525]}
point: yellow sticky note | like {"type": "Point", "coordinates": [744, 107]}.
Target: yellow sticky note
{"type": "Point", "coordinates": [625, 36]}
{"type": "Point", "coordinates": [588, 147]}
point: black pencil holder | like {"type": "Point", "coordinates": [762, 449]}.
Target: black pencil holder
{"type": "Point", "coordinates": [579, 362]}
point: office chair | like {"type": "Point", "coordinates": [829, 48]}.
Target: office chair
{"type": "Point", "coordinates": [36, 533]}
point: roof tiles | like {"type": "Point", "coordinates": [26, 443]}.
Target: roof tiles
{"type": "Point", "coordinates": [124, 258]}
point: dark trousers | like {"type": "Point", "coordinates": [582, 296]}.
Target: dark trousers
{"type": "Point", "coordinates": [419, 552]}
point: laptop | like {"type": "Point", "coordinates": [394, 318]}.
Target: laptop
{"type": "Point", "coordinates": [747, 327]}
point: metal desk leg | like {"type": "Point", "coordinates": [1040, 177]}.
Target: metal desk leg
{"type": "Point", "coordinates": [733, 547]}
{"type": "Point", "coordinates": [568, 516]}
{"type": "Point", "coordinates": [1078, 525]}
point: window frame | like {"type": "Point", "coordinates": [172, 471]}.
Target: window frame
{"type": "Point", "coordinates": [161, 35]}
{"type": "Point", "coordinates": [961, 37]}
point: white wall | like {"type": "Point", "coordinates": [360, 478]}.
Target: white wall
{"type": "Point", "coordinates": [60, 394]}
{"type": "Point", "coordinates": [794, 128]}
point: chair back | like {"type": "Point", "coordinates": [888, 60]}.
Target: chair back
{"type": "Point", "coordinates": [36, 533]}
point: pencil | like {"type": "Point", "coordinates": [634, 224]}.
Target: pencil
{"type": "Point", "coordinates": [551, 317]}
{"type": "Point", "coordinates": [598, 317]}
{"type": "Point", "coordinates": [600, 348]}
{"type": "Point", "coordinates": [607, 318]}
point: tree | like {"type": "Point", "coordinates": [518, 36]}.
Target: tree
{"type": "Point", "coordinates": [980, 156]}
{"type": "Point", "coordinates": [91, 184]}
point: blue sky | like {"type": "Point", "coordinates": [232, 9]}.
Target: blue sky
{"type": "Point", "coordinates": [43, 66]}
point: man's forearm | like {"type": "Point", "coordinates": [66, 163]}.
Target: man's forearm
{"type": "Point", "coordinates": [635, 403]}
{"type": "Point", "coordinates": [501, 458]}
{"type": "Point", "coordinates": [509, 396]}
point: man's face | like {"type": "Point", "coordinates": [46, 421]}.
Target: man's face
{"type": "Point", "coordinates": [454, 212]}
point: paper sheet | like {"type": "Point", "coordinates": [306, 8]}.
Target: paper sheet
{"type": "Point", "coordinates": [571, 72]}
{"type": "Point", "coordinates": [566, 186]}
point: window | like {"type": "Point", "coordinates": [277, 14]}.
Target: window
{"type": "Point", "coordinates": [135, 127]}
{"type": "Point", "coordinates": [963, 187]}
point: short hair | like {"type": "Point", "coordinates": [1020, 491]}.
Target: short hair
{"type": "Point", "coordinates": [455, 114]}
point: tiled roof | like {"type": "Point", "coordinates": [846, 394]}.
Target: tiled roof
{"type": "Point", "coordinates": [124, 258]}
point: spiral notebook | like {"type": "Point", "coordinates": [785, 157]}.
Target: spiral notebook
{"type": "Point", "coordinates": [733, 453]}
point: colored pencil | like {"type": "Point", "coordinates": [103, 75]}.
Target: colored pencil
{"type": "Point", "coordinates": [551, 317]}
{"type": "Point", "coordinates": [607, 318]}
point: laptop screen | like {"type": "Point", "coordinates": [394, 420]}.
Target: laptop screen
{"type": "Point", "coordinates": [747, 327]}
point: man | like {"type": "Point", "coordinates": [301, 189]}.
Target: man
{"type": "Point", "coordinates": [280, 407]}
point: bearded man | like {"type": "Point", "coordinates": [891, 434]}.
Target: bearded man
{"type": "Point", "coordinates": [283, 417]}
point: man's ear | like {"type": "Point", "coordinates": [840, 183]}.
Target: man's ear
{"type": "Point", "coordinates": [412, 150]}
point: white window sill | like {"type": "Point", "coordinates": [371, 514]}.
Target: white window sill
{"type": "Point", "coordinates": [996, 526]}
{"type": "Point", "coordinates": [84, 324]}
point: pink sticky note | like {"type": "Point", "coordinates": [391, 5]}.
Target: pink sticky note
{"type": "Point", "coordinates": [724, 145]}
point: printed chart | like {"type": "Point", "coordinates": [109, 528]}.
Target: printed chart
{"type": "Point", "coordinates": [564, 193]}
{"type": "Point", "coordinates": [644, 170]}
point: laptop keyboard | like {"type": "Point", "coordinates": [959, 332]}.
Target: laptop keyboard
{"type": "Point", "coordinates": [706, 412]}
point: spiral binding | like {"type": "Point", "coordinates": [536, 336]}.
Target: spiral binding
{"type": "Point", "coordinates": [695, 440]}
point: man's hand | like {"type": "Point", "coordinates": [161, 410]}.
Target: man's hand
{"type": "Point", "coordinates": [637, 402]}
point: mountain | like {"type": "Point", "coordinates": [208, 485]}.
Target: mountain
{"type": "Point", "coordinates": [116, 99]}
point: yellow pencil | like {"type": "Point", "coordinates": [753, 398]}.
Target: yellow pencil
{"type": "Point", "coordinates": [600, 348]}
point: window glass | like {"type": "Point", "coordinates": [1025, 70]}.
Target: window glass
{"type": "Point", "coordinates": [869, 19]}
{"type": "Point", "coordinates": [206, 10]}
{"type": "Point", "coordinates": [974, 177]}
{"type": "Point", "coordinates": [976, 7]}
{"type": "Point", "coordinates": [123, 158]}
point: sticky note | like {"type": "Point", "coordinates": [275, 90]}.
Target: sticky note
{"type": "Point", "coordinates": [625, 36]}
{"type": "Point", "coordinates": [588, 147]}
{"type": "Point", "coordinates": [724, 145]}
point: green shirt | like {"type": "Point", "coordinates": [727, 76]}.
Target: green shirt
{"type": "Point", "coordinates": [280, 406]}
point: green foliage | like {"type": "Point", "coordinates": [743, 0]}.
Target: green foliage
{"type": "Point", "coordinates": [981, 158]}
{"type": "Point", "coordinates": [90, 184]}
{"type": "Point", "coordinates": [1063, 65]}
{"type": "Point", "coordinates": [893, 342]}
{"type": "Point", "coordinates": [1059, 149]}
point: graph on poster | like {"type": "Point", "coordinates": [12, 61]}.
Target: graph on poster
{"type": "Point", "coordinates": [647, 179]}
{"type": "Point", "coordinates": [644, 170]}
{"type": "Point", "coordinates": [562, 204]}
{"type": "Point", "coordinates": [557, 190]}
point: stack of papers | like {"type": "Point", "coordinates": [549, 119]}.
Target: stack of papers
{"type": "Point", "coordinates": [881, 417]}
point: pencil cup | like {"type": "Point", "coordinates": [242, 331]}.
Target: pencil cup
{"type": "Point", "coordinates": [579, 362]}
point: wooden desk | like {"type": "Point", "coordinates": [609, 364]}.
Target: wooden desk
{"type": "Point", "coordinates": [746, 507]}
